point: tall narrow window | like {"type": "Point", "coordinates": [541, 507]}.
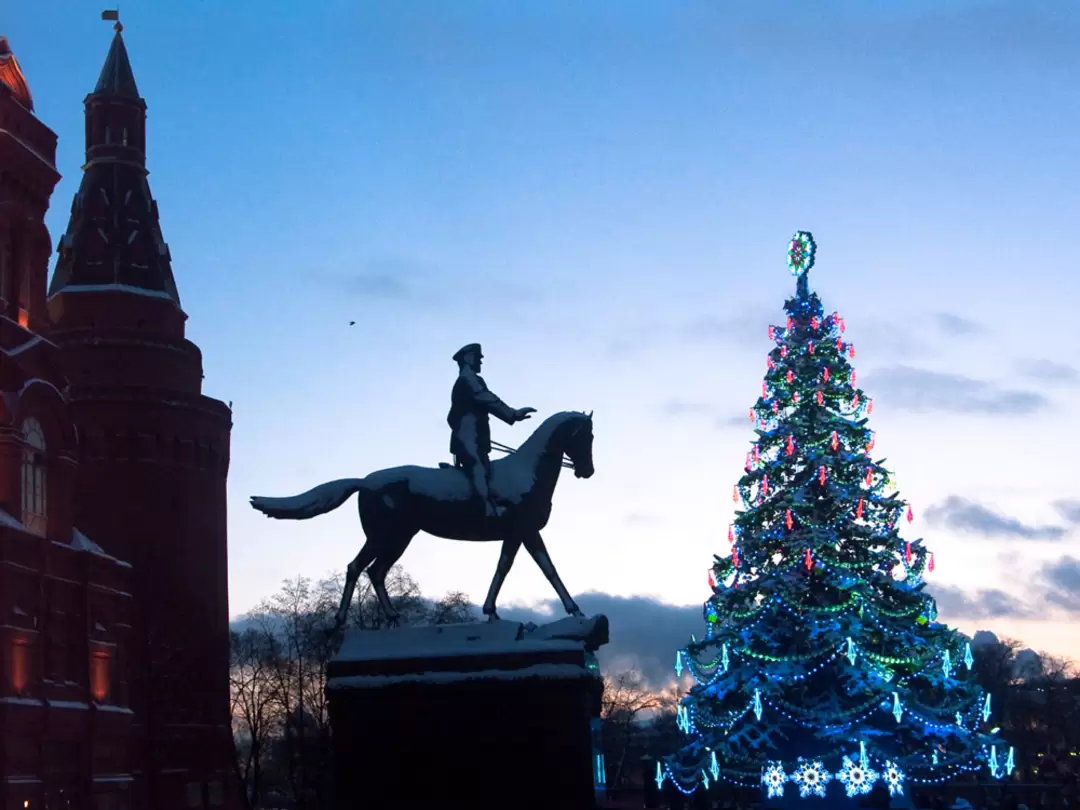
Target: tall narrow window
{"type": "Point", "coordinates": [33, 477]}
{"type": "Point", "coordinates": [100, 676]}
{"type": "Point", "coordinates": [20, 665]}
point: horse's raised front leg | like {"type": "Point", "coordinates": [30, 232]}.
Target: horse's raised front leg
{"type": "Point", "coordinates": [506, 561]}
{"type": "Point", "coordinates": [534, 544]}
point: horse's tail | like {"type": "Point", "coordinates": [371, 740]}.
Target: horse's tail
{"type": "Point", "coordinates": [318, 501]}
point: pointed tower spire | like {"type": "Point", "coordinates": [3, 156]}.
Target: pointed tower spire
{"type": "Point", "coordinates": [116, 77]}
{"type": "Point", "coordinates": [113, 244]}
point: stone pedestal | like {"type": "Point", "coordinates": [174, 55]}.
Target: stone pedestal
{"type": "Point", "coordinates": [496, 716]}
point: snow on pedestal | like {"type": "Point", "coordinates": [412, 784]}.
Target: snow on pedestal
{"type": "Point", "coordinates": [492, 715]}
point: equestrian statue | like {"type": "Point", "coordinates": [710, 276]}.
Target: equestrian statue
{"type": "Point", "coordinates": [508, 500]}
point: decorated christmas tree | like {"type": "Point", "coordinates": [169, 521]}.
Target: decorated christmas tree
{"type": "Point", "coordinates": [823, 669]}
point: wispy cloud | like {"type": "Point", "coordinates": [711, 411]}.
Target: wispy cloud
{"type": "Point", "coordinates": [1048, 371]}
{"type": "Point", "coordinates": [957, 325]}
{"type": "Point", "coordinates": [642, 519]}
{"type": "Point", "coordinates": [1069, 509]}
{"type": "Point", "coordinates": [399, 279]}
{"type": "Point", "coordinates": [377, 285]}
{"type": "Point", "coordinates": [1062, 583]}
{"type": "Point", "coordinates": [682, 407]}
{"type": "Point", "coordinates": [991, 603]}
{"type": "Point", "coordinates": [961, 515]}
{"type": "Point", "coordinates": [734, 421]}
{"type": "Point", "coordinates": [748, 328]}
{"type": "Point", "coordinates": [922, 390]}
{"type": "Point", "coordinates": [384, 279]}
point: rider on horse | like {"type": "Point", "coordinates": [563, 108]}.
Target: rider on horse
{"type": "Point", "coordinates": [470, 404]}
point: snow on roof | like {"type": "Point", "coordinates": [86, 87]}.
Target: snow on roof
{"type": "Point", "coordinates": [83, 543]}
{"type": "Point", "coordinates": [117, 288]}
{"type": "Point", "coordinates": [537, 671]}
{"type": "Point", "coordinates": [8, 520]}
{"type": "Point", "coordinates": [455, 640]}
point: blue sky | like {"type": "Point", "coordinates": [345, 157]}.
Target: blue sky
{"type": "Point", "coordinates": [602, 194]}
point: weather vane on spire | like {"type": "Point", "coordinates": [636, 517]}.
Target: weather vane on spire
{"type": "Point", "coordinates": [114, 15]}
{"type": "Point", "coordinates": [800, 258]}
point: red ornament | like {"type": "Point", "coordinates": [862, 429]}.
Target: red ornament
{"type": "Point", "coordinates": [790, 376]}
{"type": "Point", "coordinates": [795, 397]}
{"type": "Point", "coordinates": [790, 323]}
{"type": "Point", "coordinates": [931, 561]}
{"type": "Point", "coordinates": [735, 555]}
{"type": "Point", "coordinates": [770, 364]}
{"type": "Point", "coordinates": [776, 407]}
{"type": "Point", "coordinates": [757, 453]}
{"type": "Point", "coordinates": [809, 560]}
{"type": "Point", "coordinates": [843, 326]}
{"type": "Point", "coordinates": [748, 462]}
{"type": "Point", "coordinates": [853, 376]}
{"type": "Point", "coordinates": [869, 476]}
{"type": "Point", "coordinates": [810, 347]}
{"type": "Point", "coordinates": [907, 553]}
{"type": "Point", "coordinates": [764, 389]}
{"type": "Point", "coordinates": [839, 346]}
{"type": "Point", "coordinates": [835, 441]}
{"type": "Point", "coordinates": [765, 485]}
{"type": "Point", "coordinates": [820, 398]}
{"type": "Point", "coordinates": [910, 514]}
{"type": "Point", "coordinates": [825, 373]}
{"type": "Point", "coordinates": [859, 508]}
{"type": "Point", "coordinates": [791, 445]}
{"type": "Point", "coordinates": [851, 352]}
{"type": "Point", "coordinates": [821, 475]}
{"type": "Point", "coordinates": [731, 534]}
{"type": "Point", "coordinates": [751, 414]}
{"type": "Point", "coordinates": [783, 351]}
{"type": "Point", "coordinates": [814, 322]}
{"type": "Point", "coordinates": [735, 493]}
{"type": "Point", "coordinates": [855, 402]}
{"type": "Point", "coordinates": [712, 581]}
{"type": "Point", "coordinates": [873, 440]}
{"type": "Point", "coordinates": [772, 333]}
{"type": "Point", "coordinates": [869, 406]}
{"type": "Point", "coordinates": [787, 520]}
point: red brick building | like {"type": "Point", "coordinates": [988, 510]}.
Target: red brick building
{"type": "Point", "coordinates": [153, 451]}
{"type": "Point", "coordinates": [66, 606]}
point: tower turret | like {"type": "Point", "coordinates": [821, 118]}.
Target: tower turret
{"type": "Point", "coordinates": [154, 451]}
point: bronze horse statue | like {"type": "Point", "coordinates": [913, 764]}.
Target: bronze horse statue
{"type": "Point", "coordinates": [398, 502]}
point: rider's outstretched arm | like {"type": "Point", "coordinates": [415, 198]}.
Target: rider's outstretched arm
{"type": "Point", "coordinates": [494, 405]}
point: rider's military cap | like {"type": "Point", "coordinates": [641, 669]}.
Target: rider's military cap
{"type": "Point", "coordinates": [464, 350]}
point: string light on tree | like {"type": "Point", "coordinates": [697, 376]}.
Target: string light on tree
{"type": "Point", "coordinates": [818, 620]}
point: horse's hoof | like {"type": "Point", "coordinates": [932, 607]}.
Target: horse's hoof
{"type": "Point", "coordinates": [493, 616]}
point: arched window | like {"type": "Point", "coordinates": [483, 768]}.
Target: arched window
{"type": "Point", "coordinates": [33, 477]}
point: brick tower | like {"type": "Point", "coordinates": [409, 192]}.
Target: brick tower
{"type": "Point", "coordinates": [154, 451]}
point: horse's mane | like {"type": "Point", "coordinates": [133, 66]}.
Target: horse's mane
{"type": "Point", "coordinates": [543, 433]}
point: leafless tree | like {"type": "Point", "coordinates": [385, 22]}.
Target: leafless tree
{"type": "Point", "coordinates": [629, 700]}
{"type": "Point", "coordinates": [253, 659]}
{"type": "Point", "coordinates": [298, 617]}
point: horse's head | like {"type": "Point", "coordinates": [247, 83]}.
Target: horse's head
{"type": "Point", "coordinates": [578, 443]}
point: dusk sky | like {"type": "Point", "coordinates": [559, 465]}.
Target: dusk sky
{"type": "Point", "coordinates": [602, 193]}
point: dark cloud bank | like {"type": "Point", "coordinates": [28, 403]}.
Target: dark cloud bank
{"type": "Point", "coordinates": [922, 391]}
{"type": "Point", "coordinates": [962, 515]}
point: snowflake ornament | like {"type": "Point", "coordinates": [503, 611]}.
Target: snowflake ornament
{"type": "Point", "coordinates": [773, 777]}
{"type": "Point", "coordinates": [800, 255]}
{"type": "Point", "coordinates": [811, 777]}
{"type": "Point", "coordinates": [857, 778]}
{"type": "Point", "coordinates": [893, 778]}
